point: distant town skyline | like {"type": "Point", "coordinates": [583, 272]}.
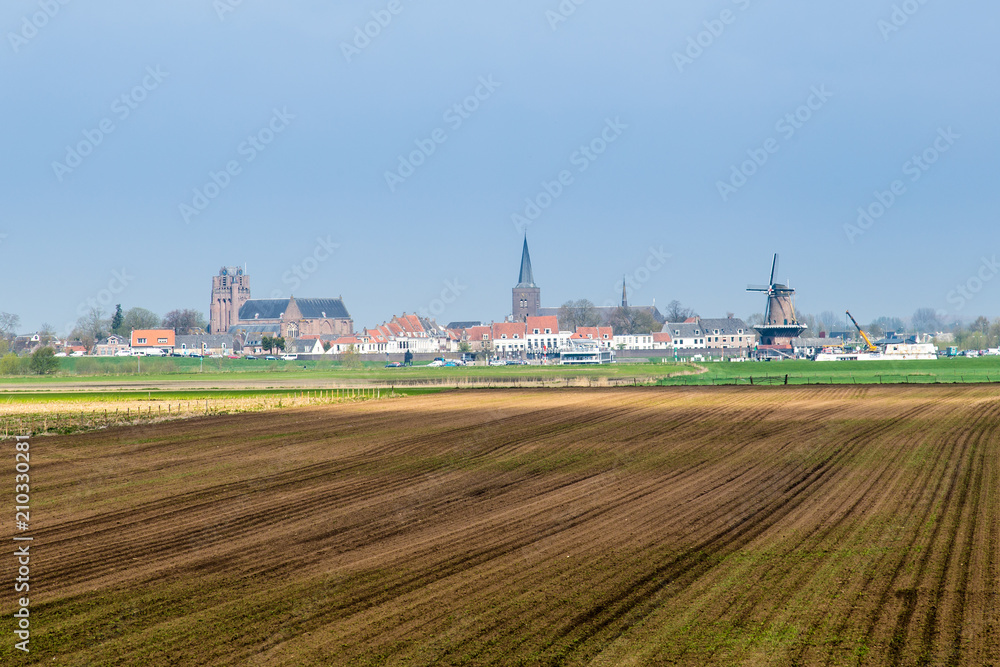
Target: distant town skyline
{"type": "Point", "coordinates": [393, 155]}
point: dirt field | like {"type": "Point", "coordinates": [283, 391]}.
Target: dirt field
{"type": "Point", "coordinates": [781, 526]}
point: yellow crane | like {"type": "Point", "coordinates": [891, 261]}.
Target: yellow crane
{"type": "Point", "coordinates": [871, 345]}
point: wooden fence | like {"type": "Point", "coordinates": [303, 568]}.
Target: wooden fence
{"type": "Point", "coordinates": [75, 417]}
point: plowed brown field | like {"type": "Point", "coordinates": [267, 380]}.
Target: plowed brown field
{"type": "Point", "coordinates": [696, 526]}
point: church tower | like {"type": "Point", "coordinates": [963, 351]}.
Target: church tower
{"type": "Point", "coordinates": [230, 290]}
{"type": "Point", "coordinates": [526, 295]}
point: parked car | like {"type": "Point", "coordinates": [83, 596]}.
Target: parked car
{"type": "Point", "coordinates": [123, 353]}
{"type": "Point", "coordinates": [250, 357]}
{"type": "Point", "coordinates": [270, 358]}
{"type": "Point", "coordinates": [436, 363]}
{"type": "Point", "coordinates": [289, 357]}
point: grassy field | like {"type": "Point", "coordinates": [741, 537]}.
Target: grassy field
{"type": "Point", "coordinates": [954, 370]}
{"type": "Point", "coordinates": [675, 525]}
{"type": "Point", "coordinates": [233, 374]}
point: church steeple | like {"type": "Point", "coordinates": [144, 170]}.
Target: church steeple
{"type": "Point", "coordinates": [526, 278]}
{"type": "Point", "coordinates": [624, 294]}
{"type": "Point", "coordinates": [526, 297]}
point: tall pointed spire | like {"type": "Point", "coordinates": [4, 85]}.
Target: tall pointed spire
{"type": "Point", "coordinates": [526, 279]}
{"type": "Point", "coordinates": [624, 294]}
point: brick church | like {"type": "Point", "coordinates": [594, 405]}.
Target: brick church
{"type": "Point", "coordinates": [233, 310]}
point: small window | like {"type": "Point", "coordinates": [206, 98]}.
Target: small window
{"type": "Point", "coordinates": [142, 341]}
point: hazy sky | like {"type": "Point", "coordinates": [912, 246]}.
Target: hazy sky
{"type": "Point", "coordinates": [381, 151]}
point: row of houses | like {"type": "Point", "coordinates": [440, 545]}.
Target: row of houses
{"type": "Point", "coordinates": [536, 337]}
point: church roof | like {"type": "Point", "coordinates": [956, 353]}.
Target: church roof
{"type": "Point", "coordinates": [525, 279]}
{"type": "Point", "coordinates": [272, 309]}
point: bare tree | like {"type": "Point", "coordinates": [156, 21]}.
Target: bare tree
{"type": "Point", "coordinates": [678, 313]}
{"type": "Point", "coordinates": [926, 320]}
{"type": "Point", "coordinates": [91, 328]}
{"type": "Point", "coordinates": [629, 321]}
{"type": "Point", "coordinates": [582, 313]}
{"type": "Point", "coordinates": [9, 322]}
{"type": "Point", "coordinates": [884, 324]}
{"type": "Point", "coordinates": [47, 333]}
{"type": "Point", "coordinates": [185, 321]}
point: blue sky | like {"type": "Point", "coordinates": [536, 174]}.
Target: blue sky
{"type": "Point", "coordinates": [644, 109]}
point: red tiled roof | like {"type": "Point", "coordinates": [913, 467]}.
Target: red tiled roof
{"type": "Point", "coordinates": [476, 333]}
{"type": "Point", "coordinates": [597, 333]}
{"type": "Point", "coordinates": [542, 323]}
{"type": "Point", "coordinates": [509, 328]}
{"type": "Point", "coordinates": [346, 340]}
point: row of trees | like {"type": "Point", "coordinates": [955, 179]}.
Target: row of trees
{"type": "Point", "coordinates": [625, 320]}
{"type": "Point", "coordinates": [96, 324]}
{"type": "Point", "coordinates": [270, 343]}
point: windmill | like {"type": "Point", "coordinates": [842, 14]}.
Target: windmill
{"type": "Point", "coordinates": [780, 323]}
